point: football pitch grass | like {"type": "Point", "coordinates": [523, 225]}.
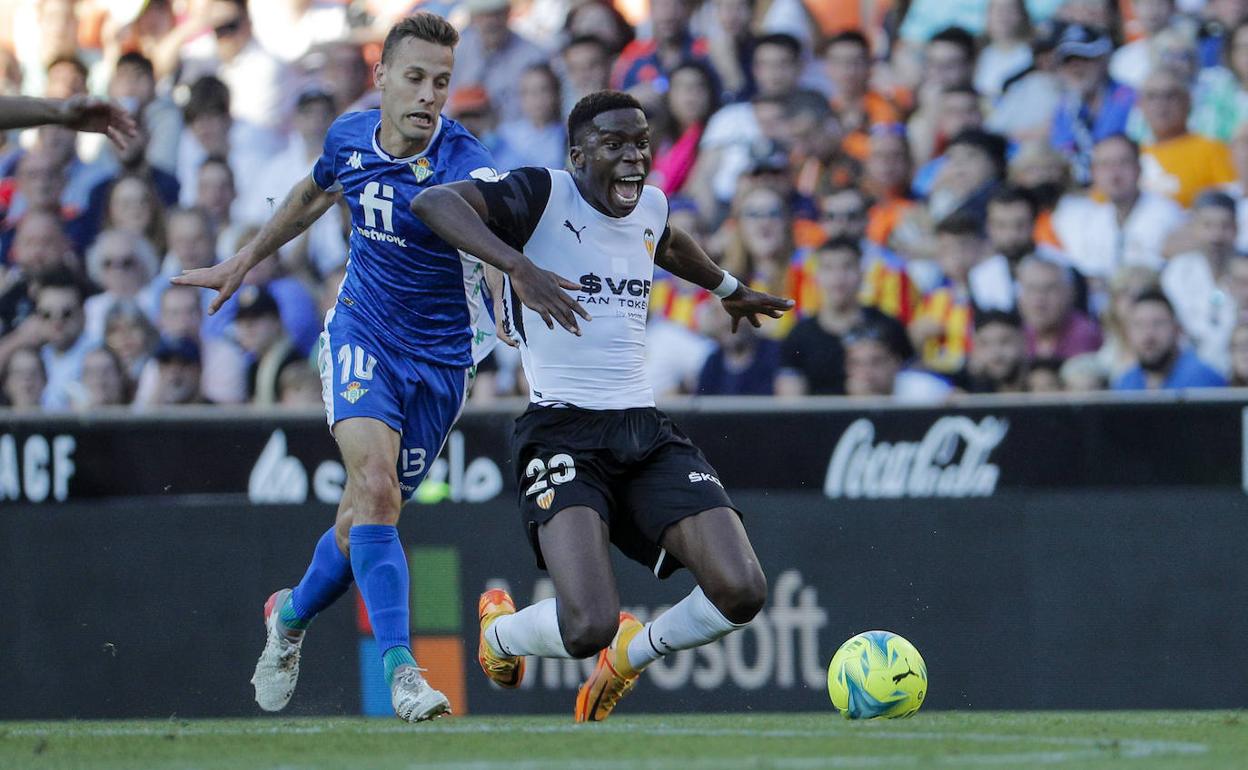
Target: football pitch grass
{"type": "Point", "coordinates": [1136, 739]}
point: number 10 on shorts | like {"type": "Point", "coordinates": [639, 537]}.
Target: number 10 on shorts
{"type": "Point", "coordinates": [560, 470]}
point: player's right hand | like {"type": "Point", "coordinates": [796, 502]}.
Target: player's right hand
{"type": "Point", "coordinates": [87, 113]}
{"type": "Point", "coordinates": [543, 292]}
{"type": "Point", "coordinates": [225, 277]}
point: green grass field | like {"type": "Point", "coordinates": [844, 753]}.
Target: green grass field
{"type": "Point", "coordinates": [1159, 739]}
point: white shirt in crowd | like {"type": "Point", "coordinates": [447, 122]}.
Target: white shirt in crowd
{"type": "Point", "coordinates": [261, 86]}
{"type": "Point", "coordinates": [675, 355]}
{"type": "Point", "coordinates": [733, 129]}
{"type": "Point", "coordinates": [65, 372]}
{"type": "Point", "coordinates": [1241, 215]}
{"type": "Point", "coordinates": [1205, 310]}
{"type": "Point", "coordinates": [995, 65]}
{"type": "Point", "coordinates": [1131, 63]}
{"type": "Point", "coordinates": [289, 34]}
{"type": "Point", "coordinates": [223, 375]}
{"type": "Point", "coordinates": [992, 281]}
{"type": "Point", "coordinates": [327, 247]}
{"type": "Point", "coordinates": [1097, 245]}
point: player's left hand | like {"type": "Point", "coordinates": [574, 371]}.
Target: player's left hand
{"type": "Point", "coordinates": [749, 304]}
{"type": "Point", "coordinates": [87, 113]}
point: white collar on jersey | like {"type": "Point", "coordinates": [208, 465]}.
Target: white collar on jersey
{"type": "Point", "coordinates": [437, 129]}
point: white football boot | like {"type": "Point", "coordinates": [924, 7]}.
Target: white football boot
{"type": "Point", "coordinates": [414, 700]}
{"type": "Point", "coordinates": [277, 671]}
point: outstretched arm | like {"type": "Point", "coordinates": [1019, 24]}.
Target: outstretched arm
{"type": "Point", "coordinates": [684, 258]}
{"type": "Point", "coordinates": [305, 203]}
{"type": "Point", "coordinates": [457, 212]}
{"type": "Point", "coordinates": [81, 113]}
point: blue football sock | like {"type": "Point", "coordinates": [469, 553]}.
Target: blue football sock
{"type": "Point", "coordinates": [328, 577]}
{"type": "Point", "coordinates": [380, 568]}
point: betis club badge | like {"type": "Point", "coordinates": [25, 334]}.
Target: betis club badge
{"type": "Point", "coordinates": [422, 169]}
{"type": "Point", "coordinates": [353, 393]}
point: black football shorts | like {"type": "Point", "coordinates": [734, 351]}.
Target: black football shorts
{"type": "Point", "coordinates": [633, 467]}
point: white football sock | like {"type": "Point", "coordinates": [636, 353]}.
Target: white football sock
{"type": "Point", "coordinates": [692, 622]}
{"type": "Point", "coordinates": [533, 630]}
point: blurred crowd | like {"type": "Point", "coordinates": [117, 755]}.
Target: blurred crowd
{"type": "Point", "coordinates": [962, 196]}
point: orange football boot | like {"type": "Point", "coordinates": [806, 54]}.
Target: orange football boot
{"type": "Point", "coordinates": [501, 669]}
{"type": "Point", "coordinates": [613, 677]}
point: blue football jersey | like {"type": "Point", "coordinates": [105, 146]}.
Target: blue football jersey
{"type": "Point", "coordinates": [412, 288]}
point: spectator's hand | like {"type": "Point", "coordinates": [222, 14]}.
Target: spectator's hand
{"type": "Point", "coordinates": [225, 278]}
{"type": "Point", "coordinates": [31, 333]}
{"type": "Point", "coordinates": [87, 113]}
{"type": "Point", "coordinates": [749, 304]}
{"type": "Point", "coordinates": [923, 329]}
{"type": "Point", "coordinates": [543, 292]}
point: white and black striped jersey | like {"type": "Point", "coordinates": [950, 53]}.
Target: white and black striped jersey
{"type": "Point", "coordinates": [541, 213]}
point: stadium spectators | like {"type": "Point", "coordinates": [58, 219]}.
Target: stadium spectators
{"type": "Point", "coordinates": [776, 126]}
{"type": "Point", "coordinates": [998, 357]}
{"type": "Point", "coordinates": [1178, 163]}
{"type": "Point", "coordinates": [942, 326]}
{"type": "Point", "coordinates": [23, 379]}
{"type": "Point", "coordinates": [492, 54]}
{"type": "Point", "coordinates": [258, 326]}
{"type": "Point", "coordinates": [537, 137]}
{"type": "Point", "coordinates": [64, 345]}
{"type": "Point", "coordinates": [103, 381]}
{"type": "Point", "coordinates": [1116, 223]}
{"type": "Point", "coordinates": [677, 129]}
{"type": "Point", "coordinates": [1199, 282]}
{"type": "Point", "coordinates": [875, 365]}
{"type": "Point", "coordinates": [812, 356]}
{"type": "Point", "coordinates": [1162, 362]}
{"type": "Point", "coordinates": [130, 334]}
{"type": "Point", "coordinates": [586, 69]}
{"type": "Point", "coordinates": [741, 364]}
{"type": "Point", "coordinates": [1093, 105]}
{"type": "Point", "coordinates": [1007, 30]}
{"type": "Point", "coordinates": [1054, 327]}
{"type": "Point", "coordinates": [178, 373]}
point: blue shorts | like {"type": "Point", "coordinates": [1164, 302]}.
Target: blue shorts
{"type": "Point", "coordinates": [362, 376]}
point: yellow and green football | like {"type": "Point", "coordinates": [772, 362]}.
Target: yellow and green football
{"type": "Point", "coordinates": [877, 674]}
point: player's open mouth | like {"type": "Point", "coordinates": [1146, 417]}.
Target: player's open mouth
{"type": "Point", "coordinates": [627, 190]}
{"type": "Point", "coordinates": [420, 119]}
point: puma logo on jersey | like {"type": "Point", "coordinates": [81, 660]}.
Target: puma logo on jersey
{"type": "Point", "coordinates": [355, 161]}
{"type": "Point", "coordinates": [696, 476]}
{"type": "Point", "coordinates": [568, 224]}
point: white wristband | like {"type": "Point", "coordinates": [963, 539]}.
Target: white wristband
{"type": "Point", "coordinates": [727, 286]}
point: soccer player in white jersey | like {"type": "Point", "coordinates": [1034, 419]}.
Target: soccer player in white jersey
{"type": "Point", "coordinates": [596, 462]}
{"type": "Point", "coordinates": [398, 347]}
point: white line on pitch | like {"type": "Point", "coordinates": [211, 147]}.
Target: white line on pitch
{"type": "Point", "coordinates": [1126, 747]}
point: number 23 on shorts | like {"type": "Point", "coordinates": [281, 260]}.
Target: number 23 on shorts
{"type": "Point", "coordinates": [559, 470]}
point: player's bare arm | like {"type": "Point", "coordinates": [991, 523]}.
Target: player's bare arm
{"type": "Point", "coordinates": [457, 212]}
{"type": "Point", "coordinates": [684, 258]}
{"type": "Point", "coordinates": [81, 113]}
{"type": "Point", "coordinates": [305, 204]}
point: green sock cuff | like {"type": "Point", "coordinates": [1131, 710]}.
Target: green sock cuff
{"type": "Point", "coordinates": [395, 657]}
{"type": "Point", "coordinates": [289, 618]}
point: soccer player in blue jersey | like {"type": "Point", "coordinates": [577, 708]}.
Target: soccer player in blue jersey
{"type": "Point", "coordinates": [397, 349]}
